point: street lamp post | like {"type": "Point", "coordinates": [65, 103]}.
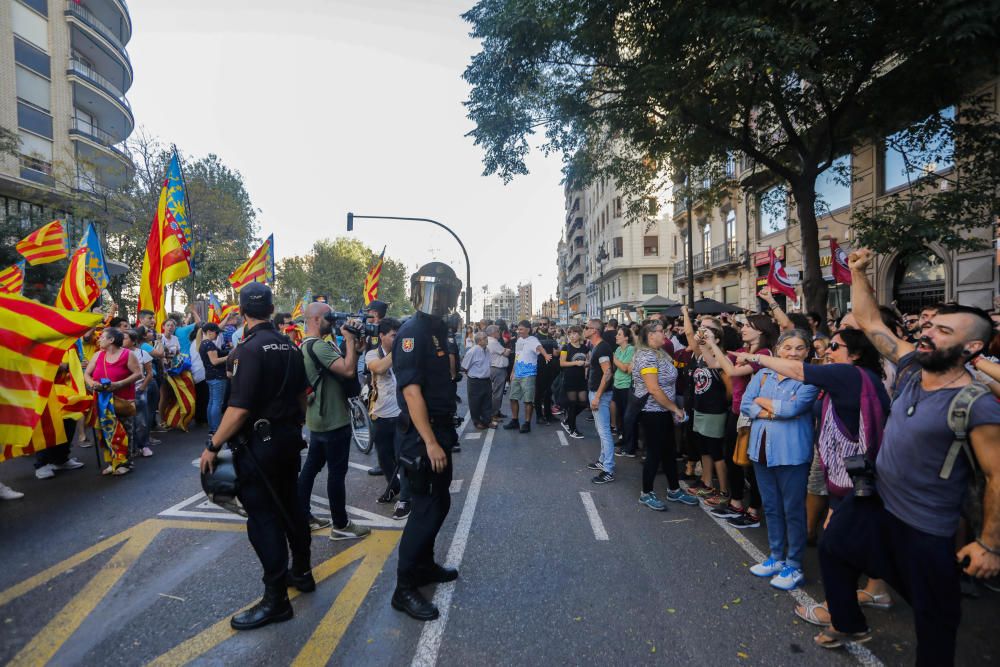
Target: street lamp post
{"type": "Point", "coordinates": [690, 240]}
{"type": "Point", "coordinates": [468, 267]}
{"type": "Point", "coordinates": [602, 256]}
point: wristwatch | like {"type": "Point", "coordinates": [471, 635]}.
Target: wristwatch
{"type": "Point", "coordinates": [211, 448]}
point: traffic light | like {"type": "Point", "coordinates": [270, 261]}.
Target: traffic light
{"type": "Point", "coordinates": [350, 222]}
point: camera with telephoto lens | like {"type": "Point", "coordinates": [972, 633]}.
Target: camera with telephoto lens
{"type": "Point", "coordinates": [365, 329]}
{"type": "Point", "coordinates": [861, 470]}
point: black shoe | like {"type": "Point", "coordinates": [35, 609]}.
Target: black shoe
{"type": "Point", "coordinates": [402, 511]}
{"type": "Point", "coordinates": [388, 497]}
{"type": "Point", "coordinates": [511, 425]}
{"type": "Point", "coordinates": [274, 607]}
{"type": "Point", "coordinates": [303, 582]}
{"type": "Point", "coordinates": [596, 465]}
{"type": "Point", "coordinates": [456, 448]}
{"type": "Point", "coordinates": [439, 575]}
{"type": "Point", "coordinates": [375, 472]}
{"type": "Point", "coordinates": [413, 604]}
{"type": "Point", "coordinates": [525, 427]}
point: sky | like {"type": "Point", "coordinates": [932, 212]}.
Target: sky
{"type": "Point", "coordinates": [330, 106]}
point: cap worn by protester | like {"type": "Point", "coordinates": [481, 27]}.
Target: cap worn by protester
{"type": "Point", "coordinates": [256, 297]}
{"type": "Point", "coordinates": [381, 307]}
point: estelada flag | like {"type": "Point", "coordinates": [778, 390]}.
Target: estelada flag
{"type": "Point", "coordinates": [372, 279]}
{"type": "Point", "coordinates": [45, 244]}
{"type": "Point", "coordinates": [79, 290]}
{"type": "Point", "coordinates": [838, 263]}
{"type": "Point", "coordinates": [165, 260]}
{"type": "Point", "coordinates": [777, 279]}
{"type": "Point", "coordinates": [259, 268]}
{"type": "Point", "coordinates": [12, 278]}
{"type": "Point", "coordinates": [33, 341]}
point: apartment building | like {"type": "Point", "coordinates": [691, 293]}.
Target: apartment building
{"type": "Point", "coordinates": [501, 305]}
{"type": "Point", "coordinates": [62, 90]}
{"type": "Point", "coordinates": [731, 240]}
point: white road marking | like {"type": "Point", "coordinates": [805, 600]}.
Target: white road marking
{"type": "Point", "coordinates": [473, 436]}
{"type": "Point", "coordinates": [359, 466]}
{"type": "Point", "coordinates": [562, 439]}
{"type": "Point", "coordinates": [429, 645]}
{"type": "Point", "coordinates": [595, 519]}
{"type": "Point", "coordinates": [199, 506]}
{"type": "Point", "coordinates": [456, 486]}
{"type": "Point", "coordinates": [861, 654]}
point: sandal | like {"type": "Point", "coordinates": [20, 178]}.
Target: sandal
{"type": "Point", "coordinates": [808, 614]}
{"type": "Point", "coordinates": [883, 601]}
{"type": "Point", "coordinates": [830, 638]}
{"type": "Point", "coordinates": [121, 470]}
{"type": "Point", "coordinates": [107, 471]}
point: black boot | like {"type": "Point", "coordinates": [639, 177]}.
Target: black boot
{"type": "Point", "coordinates": [303, 582]}
{"type": "Point", "coordinates": [411, 602]}
{"type": "Point", "coordinates": [274, 607]}
{"type": "Point", "coordinates": [438, 575]}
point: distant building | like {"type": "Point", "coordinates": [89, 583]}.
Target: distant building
{"type": "Point", "coordinates": [501, 305]}
{"type": "Point", "coordinates": [550, 309]}
{"type": "Point", "coordinates": [524, 304]}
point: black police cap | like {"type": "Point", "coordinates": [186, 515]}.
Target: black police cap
{"type": "Point", "coordinates": [256, 296]}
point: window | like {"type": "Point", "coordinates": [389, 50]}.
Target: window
{"type": "Point", "coordinates": [33, 120]}
{"type": "Point", "coordinates": [617, 247]}
{"type": "Point", "coordinates": [706, 243]}
{"type": "Point", "coordinates": [731, 231]}
{"type": "Point", "coordinates": [731, 295]}
{"type": "Point", "coordinates": [33, 88]}
{"type": "Point", "coordinates": [619, 287]}
{"type": "Point", "coordinates": [773, 210]}
{"type": "Point", "coordinates": [31, 57]}
{"type": "Point", "coordinates": [618, 207]}
{"type": "Point", "coordinates": [40, 6]}
{"type": "Point", "coordinates": [650, 246]}
{"type": "Point", "coordinates": [29, 25]}
{"type": "Point", "coordinates": [904, 162]}
{"type": "Point", "coordinates": [675, 245]}
{"type": "Point", "coordinates": [831, 192]}
{"type": "Point", "coordinates": [649, 283]}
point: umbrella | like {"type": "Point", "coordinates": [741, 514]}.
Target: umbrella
{"type": "Point", "coordinates": [704, 307]}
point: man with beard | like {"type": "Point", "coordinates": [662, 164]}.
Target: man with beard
{"type": "Point", "coordinates": [906, 533]}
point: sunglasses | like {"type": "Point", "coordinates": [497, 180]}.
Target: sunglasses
{"type": "Point", "coordinates": [834, 346]}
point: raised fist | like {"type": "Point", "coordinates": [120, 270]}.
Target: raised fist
{"type": "Point", "coordinates": [859, 259]}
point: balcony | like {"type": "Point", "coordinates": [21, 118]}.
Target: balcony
{"type": "Point", "coordinates": [727, 254]}
{"type": "Point", "coordinates": [100, 44]}
{"type": "Point", "coordinates": [97, 153]}
{"type": "Point", "coordinates": [680, 268]}
{"type": "Point", "coordinates": [577, 223]}
{"type": "Point", "coordinates": [100, 98]}
{"type": "Point", "coordinates": [720, 257]}
{"type": "Point", "coordinates": [575, 279]}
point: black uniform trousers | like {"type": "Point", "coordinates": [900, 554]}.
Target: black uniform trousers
{"type": "Point", "coordinates": [273, 528]}
{"type": "Point", "coordinates": [430, 500]}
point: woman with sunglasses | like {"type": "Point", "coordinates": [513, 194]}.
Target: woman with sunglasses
{"type": "Point", "coordinates": [854, 408]}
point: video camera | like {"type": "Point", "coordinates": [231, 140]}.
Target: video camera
{"type": "Point", "coordinates": [365, 330]}
{"type": "Point", "coordinates": [862, 473]}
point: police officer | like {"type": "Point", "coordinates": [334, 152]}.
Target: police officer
{"type": "Point", "coordinates": [425, 432]}
{"type": "Point", "coordinates": [263, 425]}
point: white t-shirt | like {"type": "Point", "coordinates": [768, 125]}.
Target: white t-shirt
{"type": "Point", "coordinates": [144, 358]}
{"type": "Point", "coordinates": [385, 384]}
{"type": "Point", "coordinates": [526, 357]}
{"type": "Point", "coordinates": [197, 367]}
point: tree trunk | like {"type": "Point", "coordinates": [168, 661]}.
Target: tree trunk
{"type": "Point", "coordinates": [814, 288]}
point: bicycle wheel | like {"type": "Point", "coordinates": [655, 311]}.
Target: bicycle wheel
{"type": "Point", "coordinates": [361, 426]}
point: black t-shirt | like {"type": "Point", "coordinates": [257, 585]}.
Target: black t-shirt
{"type": "Point", "coordinates": [602, 353]}
{"type": "Point", "coordinates": [574, 377]}
{"type": "Point", "coordinates": [212, 372]}
{"type": "Point", "coordinates": [709, 389]}
{"type": "Point", "coordinates": [420, 356]}
{"type": "Point", "coordinates": [269, 377]}
{"type": "Point", "coordinates": [843, 383]}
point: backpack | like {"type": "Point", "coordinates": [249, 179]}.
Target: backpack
{"type": "Point", "coordinates": [959, 411]}
{"type": "Point", "coordinates": [350, 385]}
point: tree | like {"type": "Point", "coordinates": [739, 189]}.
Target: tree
{"type": "Point", "coordinates": [337, 269]}
{"type": "Point", "coordinates": [789, 85]}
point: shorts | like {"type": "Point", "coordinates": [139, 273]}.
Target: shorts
{"type": "Point", "coordinates": [816, 485]}
{"type": "Point", "coordinates": [522, 389]}
{"type": "Point", "coordinates": [709, 446]}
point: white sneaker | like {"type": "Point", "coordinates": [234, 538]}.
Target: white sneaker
{"type": "Point", "coordinates": [47, 471]}
{"type": "Point", "coordinates": [768, 568]}
{"type": "Point", "coordinates": [789, 578]}
{"type": "Point", "coordinates": [7, 493]}
{"type": "Point", "coordinates": [71, 464]}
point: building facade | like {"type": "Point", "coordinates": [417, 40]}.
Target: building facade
{"type": "Point", "coordinates": [501, 305]}
{"type": "Point", "coordinates": [62, 92]}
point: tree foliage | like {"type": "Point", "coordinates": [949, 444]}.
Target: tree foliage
{"type": "Point", "coordinates": [337, 269]}
{"type": "Point", "coordinates": [635, 89]}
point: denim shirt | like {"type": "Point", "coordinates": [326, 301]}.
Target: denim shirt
{"type": "Point", "coordinates": [790, 433]}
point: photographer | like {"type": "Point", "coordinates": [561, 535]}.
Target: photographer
{"type": "Point", "coordinates": [906, 534]}
{"type": "Point", "coordinates": [328, 418]}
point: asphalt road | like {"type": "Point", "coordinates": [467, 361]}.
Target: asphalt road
{"type": "Point", "coordinates": [138, 569]}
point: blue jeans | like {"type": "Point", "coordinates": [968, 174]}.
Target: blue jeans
{"type": "Point", "coordinates": [140, 423]}
{"type": "Point", "coordinates": [783, 492]}
{"type": "Point", "coordinates": [216, 394]}
{"type": "Point", "coordinates": [333, 449]}
{"type": "Point", "coordinates": [602, 421]}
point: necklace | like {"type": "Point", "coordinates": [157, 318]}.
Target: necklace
{"type": "Point", "coordinates": [913, 408]}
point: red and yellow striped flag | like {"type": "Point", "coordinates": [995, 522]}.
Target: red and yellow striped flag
{"type": "Point", "coordinates": [12, 279]}
{"type": "Point", "coordinates": [45, 244]}
{"type": "Point", "coordinates": [372, 279]}
{"type": "Point", "coordinates": [79, 290]}
{"type": "Point", "coordinates": [228, 310]}
{"type": "Point", "coordinates": [33, 341]}
{"type": "Point", "coordinates": [165, 261]}
{"type": "Point", "coordinates": [258, 269]}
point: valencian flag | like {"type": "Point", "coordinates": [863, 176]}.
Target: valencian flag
{"type": "Point", "coordinates": [777, 279]}
{"type": "Point", "coordinates": [177, 203]}
{"type": "Point", "coordinates": [214, 309]}
{"type": "Point", "coordinates": [838, 263]}
{"type": "Point", "coordinates": [95, 257]}
{"type": "Point", "coordinates": [79, 290]}
{"type": "Point", "coordinates": [165, 260]}
{"type": "Point", "coordinates": [258, 269]}
{"type": "Point", "coordinates": [372, 279]}
{"type": "Point", "coordinates": [34, 339]}
{"type": "Point", "coordinates": [12, 278]}
{"type": "Point", "coordinates": [300, 307]}
{"type": "Point", "coordinates": [45, 244]}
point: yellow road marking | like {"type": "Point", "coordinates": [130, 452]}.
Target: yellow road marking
{"type": "Point", "coordinates": [47, 642]}
{"type": "Point", "coordinates": [374, 551]}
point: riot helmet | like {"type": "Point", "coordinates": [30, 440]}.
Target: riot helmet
{"type": "Point", "coordinates": [222, 484]}
{"type": "Point", "coordinates": [434, 289]}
